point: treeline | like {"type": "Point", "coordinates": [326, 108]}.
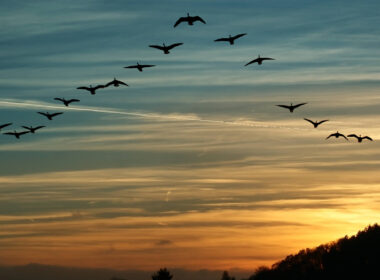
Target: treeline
{"type": "Point", "coordinates": [356, 257]}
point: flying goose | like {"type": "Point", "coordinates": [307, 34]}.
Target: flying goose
{"type": "Point", "coordinates": [337, 135]}
{"type": "Point", "coordinates": [91, 89]}
{"type": "Point", "coordinates": [165, 48]}
{"type": "Point", "coordinates": [4, 125]}
{"type": "Point", "coordinates": [291, 107]}
{"type": "Point", "coordinates": [139, 66]}
{"type": "Point", "coordinates": [66, 102]}
{"type": "Point", "coordinates": [115, 83]}
{"type": "Point", "coordinates": [33, 129]}
{"type": "Point", "coordinates": [189, 19]}
{"type": "Point", "coordinates": [259, 60]}
{"type": "Point", "coordinates": [360, 138]}
{"type": "Point", "coordinates": [50, 116]}
{"type": "Point", "coordinates": [16, 134]}
{"type": "Point", "coordinates": [316, 123]}
{"type": "Point", "coordinates": [230, 38]}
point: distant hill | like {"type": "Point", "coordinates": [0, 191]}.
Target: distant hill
{"type": "Point", "coordinates": [355, 257]}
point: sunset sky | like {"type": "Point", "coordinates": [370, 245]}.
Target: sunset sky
{"type": "Point", "coordinates": [193, 165]}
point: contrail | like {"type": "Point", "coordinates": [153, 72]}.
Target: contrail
{"type": "Point", "coordinates": [13, 103]}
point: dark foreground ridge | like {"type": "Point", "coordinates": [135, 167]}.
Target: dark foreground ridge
{"type": "Point", "coordinates": [355, 257]}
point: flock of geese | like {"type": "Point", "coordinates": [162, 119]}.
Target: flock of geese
{"type": "Point", "coordinates": [166, 50]}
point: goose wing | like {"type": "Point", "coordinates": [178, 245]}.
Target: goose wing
{"type": "Point", "coordinates": [86, 88]}
{"type": "Point", "coordinates": [298, 105]}
{"type": "Point", "coordinates": [39, 127]}
{"type": "Point", "coordinates": [22, 132]}
{"type": "Point", "coordinates": [267, 58]}
{"type": "Point", "coordinates": [122, 83]}
{"type": "Point", "coordinates": [238, 36]}
{"type": "Point", "coordinates": [109, 84]}
{"type": "Point", "coordinates": [147, 65]}
{"type": "Point", "coordinates": [157, 47]}
{"type": "Point", "coordinates": [310, 121]}
{"type": "Point", "coordinates": [340, 134]}
{"type": "Point", "coordinates": [353, 135]}
{"type": "Point", "coordinates": [367, 137]}
{"type": "Point", "coordinates": [60, 99]}
{"type": "Point", "coordinates": [198, 18]}
{"type": "Point", "coordinates": [331, 135]}
{"type": "Point", "coordinates": [99, 86]}
{"type": "Point", "coordinates": [56, 114]}
{"type": "Point", "coordinates": [252, 61]}
{"type": "Point", "coordinates": [174, 45]}
{"type": "Point", "coordinates": [222, 40]}
{"type": "Point", "coordinates": [73, 100]}
{"type": "Point", "coordinates": [5, 125]}
{"type": "Point", "coordinates": [132, 66]}
{"type": "Point", "coordinates": [10, 133]}
{"type": "Point", "coordinates": [28, 128]}
{"type": "Point", "coordinates": [181, 19]}
{"type": "Point", "coordinates": [320, 122]}
{"type": "Point", "coordinates": [284, 106]}
{"type": "Point", "coordinates": [44, 114]}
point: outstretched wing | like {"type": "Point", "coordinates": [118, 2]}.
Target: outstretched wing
{"type": "Point", "coordinates": [252, 61]}
{"type": "Point", "coordinates": [284, 106]}
{"type": "Point", "coordinates": [28, 128]}
{"type": "Point", "coordinates": [22, 132]}
{"type": "Point", "coordinates": [157, 47]}
{"type": "Point", "coordinates": [147, 65]}
{"type": "Point", "coordinates": [199, 19]}
{"type": "Point", "coordinates": [322, 121]}
{"type": "Point", "coordinates": [353, 135]}
{"type": "Point", "coordinates": [333, 134]}
{"type": "Point", "coordinates": [9, 133]}
{"type": "Point", "coordinates": [42, 113]}
{"type": "Point", "coordinates": [59, 99]}
{"type": "Point", "coordinates": [367, 137]}
{"type": "Point", "coordinates": [221, 40]}
{"type": "Point", "coordinates": [181, 19]}
{"type": "Point", "coordinates": [340, 134]}
{"type": "Point", "coordinates": [174, 45]}
{"type": "Point", "coordinates": [39, 127]}
{"type": "Point", "coordinates": [109, 84]}
{"type": "Point", "coordinates": [267, 58]}
{"type": "Point", "coordinates": [298, 105]}
{"type": "Point", "coordinates": [73, 100]}
{"type": "Point", "coordinates": [5, 125]}
{"type": "Point", "coordinates": [310, 121]}
{"type": "Point", "coordinates": [122, 83]}
{"type": "Point", "coordinates": [99, 86]}
{"type": "Point", "coordinates": [238, 36]}
{"type": "Point", "coordinates": [86, 88]}
{"type": "Point", "coordinates": [131, 66]}
{"type": "Point", "coordinates": [56, 114]}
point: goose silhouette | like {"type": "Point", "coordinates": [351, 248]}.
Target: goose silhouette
{"type": "Point", "coordinates": [91, 89]}
{"type": "Point", "coordinates": [360, 138]}
{"type": "Point", "coordinates": [189, 19]}
{"type": "Point", "coordinates": [139, 66]}
{"type": "Point", "coordinates": [165, 48]}
{"type": "Point", "coordinates": [16, 134]}
{"type": "Point", "coordinates": [230, 39]}
{"type": "Point", "coordinates": [115, 83]}
{"type": "Point", "coordinates": [50, 116]}
{"type": "Point", "coordinates": [66, 102]}
{"type": "Point", "coordinates": [33, 129]}
{"type": "Point", "coordinates": [336, 135]}
{"type": "Point", "coordinates": [316, 123]}
{"type": "Point", "coordinates": [259, 60]}
{"type": "Point", "coordinates": [291, 107]}
{"type": "Point", "coordinates": [5, 125]}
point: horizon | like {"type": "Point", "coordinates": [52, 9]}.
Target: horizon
{"type": "Point", "coordinates": [193, 165]}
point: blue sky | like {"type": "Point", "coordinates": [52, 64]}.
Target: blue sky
{"type": "Point", "coordinates": [196, 138]}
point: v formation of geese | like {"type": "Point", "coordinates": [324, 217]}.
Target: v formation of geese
{"type": "Point", "coordinates": [190, 20]}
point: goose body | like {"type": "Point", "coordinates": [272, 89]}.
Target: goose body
{"type": "Point", "coordinates": [259, 60]}
{"type": "Point", "coordinates": [230, 39]}
{"type": "Point", "coordinates": [50, 116]}
{"type": "Point", "coordinates": [139, 67]}
{"type": "Point", "coordinates": [115, 83]}
{"type": "Point", "coordinates": [16, 134]}
{"type": "Point", "coordinates": [336, 135]}
{"type": "Point", "coordinates": [189, 19]}
{"type": "Point", "coordinates": [316, 123]}
{"type": "Point", "coordinates": [91, 89]}
{"type": "Point", "coordinates": [360, 138]}
{"type": "Point", "coordinates": [291, 107]}
{"type": "Point", "coordinates": [33, 129]}
{"type": "Point", "coordinates": [66, 102]}
{"type": "Point", "coordinates": [164, 48]}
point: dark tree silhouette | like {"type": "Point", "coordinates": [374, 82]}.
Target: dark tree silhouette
{"type": "Point", "coordinates": [162, 274]}
{"type": "Point", "coordinates": [355, 257]}
{"type": "Point", "coordinates": [226, 276]}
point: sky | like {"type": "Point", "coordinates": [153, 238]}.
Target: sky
{"type": "Point", "coordinates": [192, 166]}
